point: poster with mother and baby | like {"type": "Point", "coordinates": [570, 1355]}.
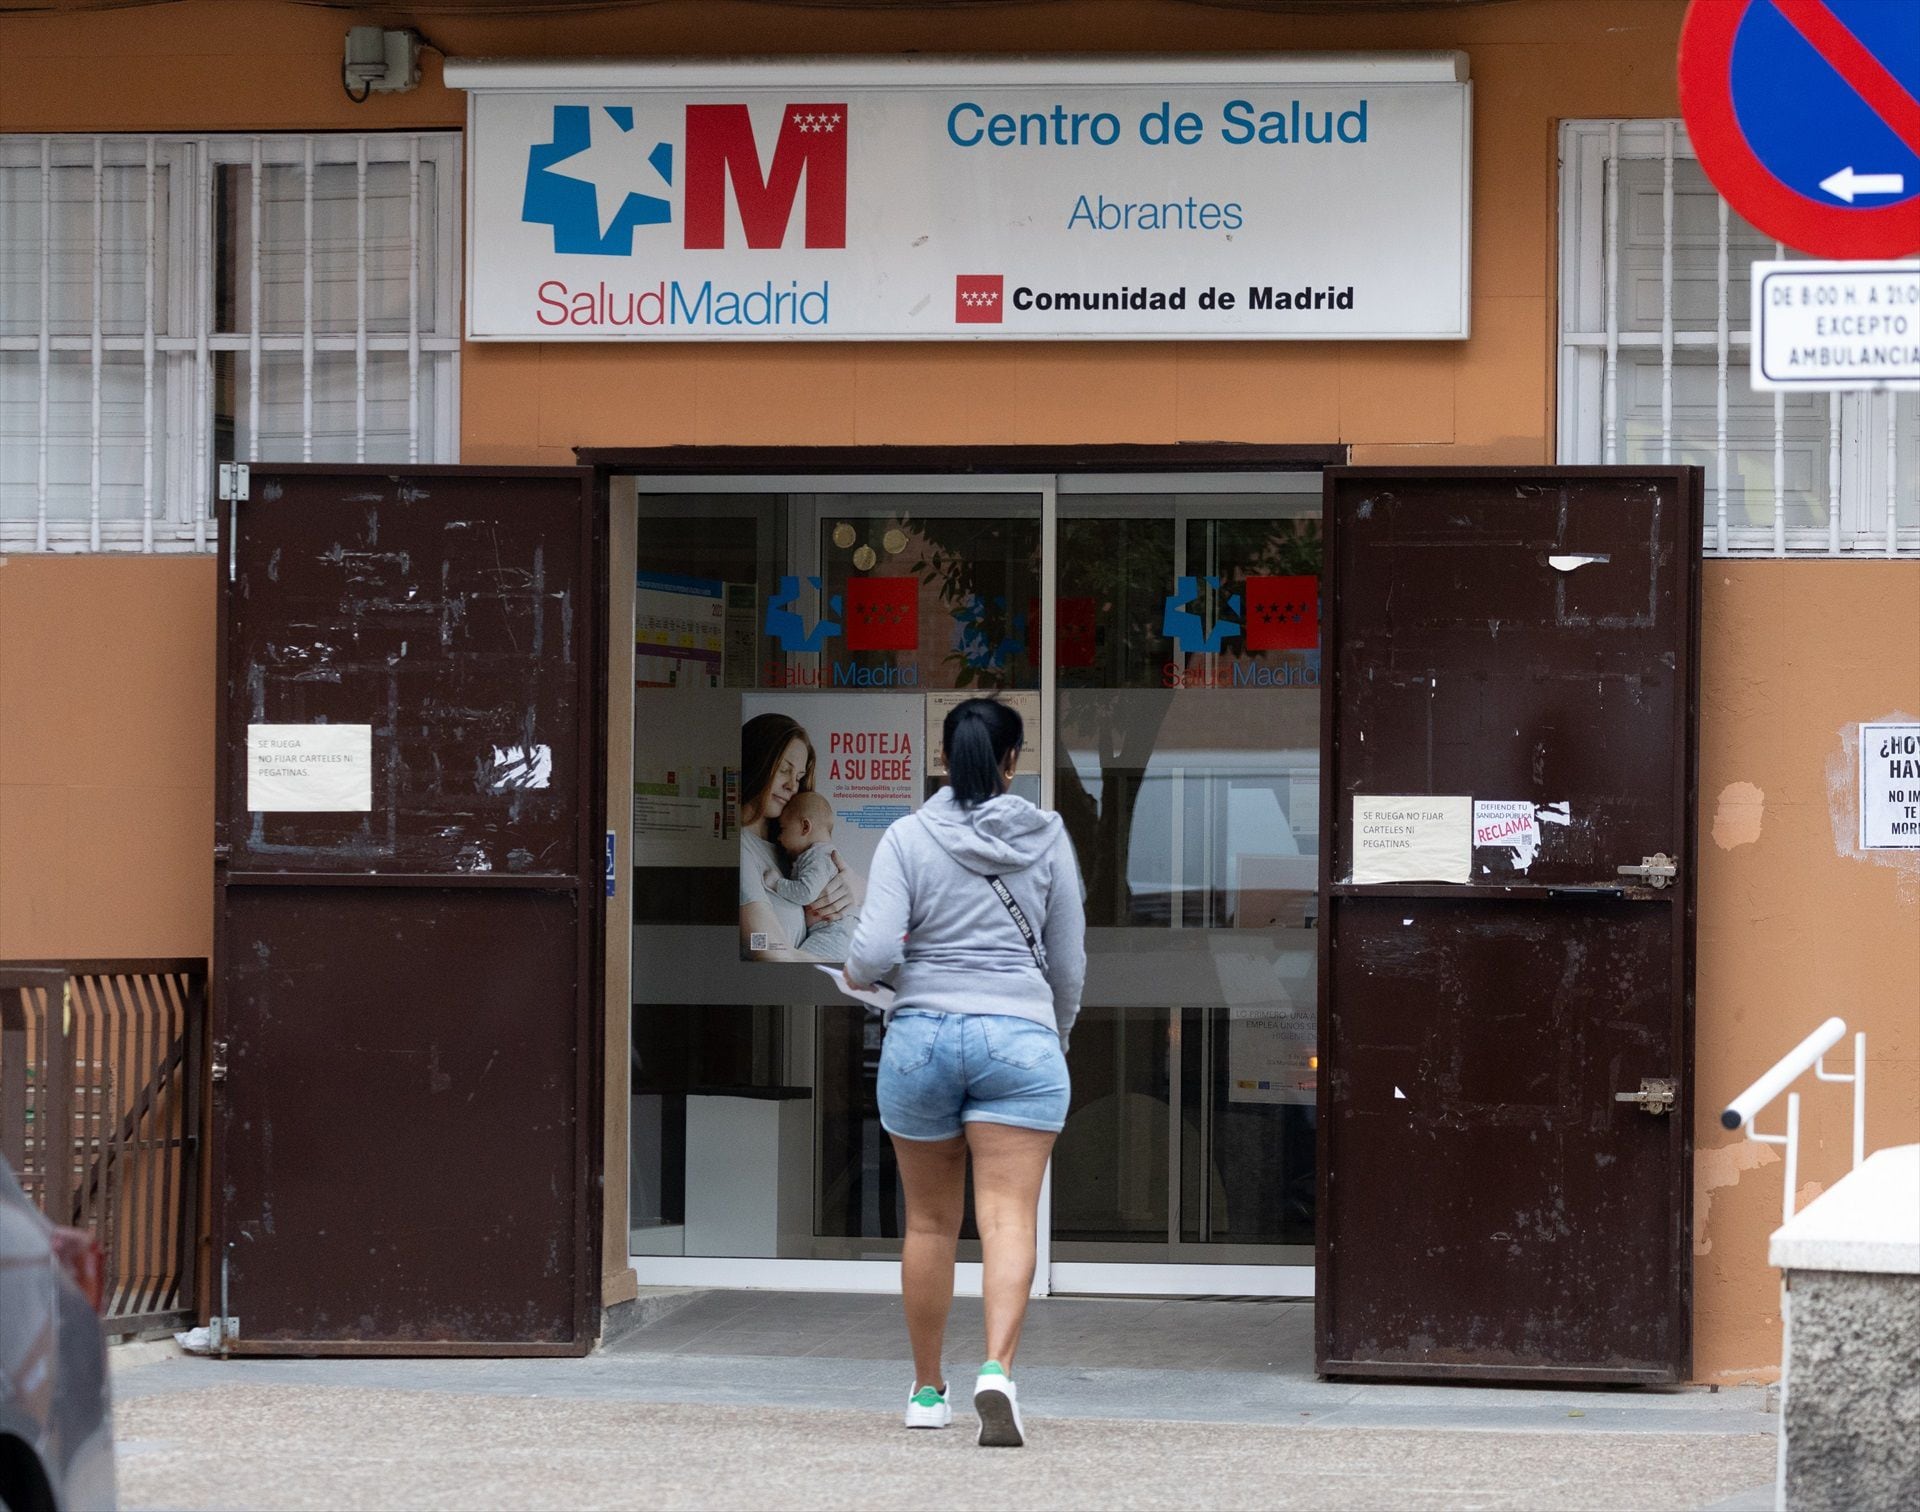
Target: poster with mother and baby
{"type": "Point", "coordinates": [822, 775]}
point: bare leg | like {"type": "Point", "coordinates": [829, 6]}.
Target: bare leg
{"type": "Point", "coordinates": [933, 1174]}
{"type": "Point", "coordinates": [1008, 1165]}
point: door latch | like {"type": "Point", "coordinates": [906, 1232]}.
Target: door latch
{"type": "Point", "coordinates": [217, 1069]}
{"type": "Point", "coordinates": [1656, 870]}
{"type": "Point", "coordinates": [1657, 1094]}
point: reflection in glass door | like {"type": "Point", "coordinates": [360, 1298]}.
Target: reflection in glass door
{"type": "Point", "coordinates": [1187, 770]}
{"type": "Point", "coordinates": [1179, 742]}
{"type": "Point", "coordinates": [842, 606]}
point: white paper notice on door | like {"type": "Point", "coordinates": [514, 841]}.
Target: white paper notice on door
{"type": "Point", "coordinates": [1412, 839]}
{"type": "Point", "coordinates": [309, 769]}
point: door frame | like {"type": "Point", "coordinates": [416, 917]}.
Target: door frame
{"type": "Point", "coordinates": [1048, 472]}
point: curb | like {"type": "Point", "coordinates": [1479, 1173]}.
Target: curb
{"type": "Point", "coordinates": [136, 1354]}
{"type": "Point", "coordinates": [649, 1307]}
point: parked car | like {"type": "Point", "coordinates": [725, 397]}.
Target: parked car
{"type": "Point", "coordinates": [56, 1429]}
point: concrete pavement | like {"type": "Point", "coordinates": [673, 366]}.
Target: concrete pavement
{"type": "Point", "coordinates": [755, 1399]}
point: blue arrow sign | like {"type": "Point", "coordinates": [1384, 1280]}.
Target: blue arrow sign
{"type": "Point", "coordinates": [1807, 103]}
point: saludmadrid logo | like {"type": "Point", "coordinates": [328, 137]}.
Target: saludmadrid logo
{"type": "Point", "coordinates": [602, 178]}
{"type": "Point", "coordinates": [873, 614]}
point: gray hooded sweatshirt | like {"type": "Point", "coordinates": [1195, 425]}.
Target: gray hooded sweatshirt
{"type": "Point", "coordinates": [931, 913]}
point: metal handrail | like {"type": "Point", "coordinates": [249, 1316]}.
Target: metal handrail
{"type": "Point", "coordinates": [1740, 1114]}
{"type": "Point", "coordinates": [1811, 1052]}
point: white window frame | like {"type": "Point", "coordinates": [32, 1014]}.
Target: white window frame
{"type": "Point", "coordinates": [1862, 470]}
{"type": "Point", "coordinates": [178, 368]}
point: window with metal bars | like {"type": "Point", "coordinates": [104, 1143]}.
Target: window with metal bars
{"type": "Point", "coordinates": [171, 302]}
{"type": "Point", "coordinates": [1654, 346]}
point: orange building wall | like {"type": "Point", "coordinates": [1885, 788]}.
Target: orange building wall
{"type": "Point", "coordinates": [106, 664]}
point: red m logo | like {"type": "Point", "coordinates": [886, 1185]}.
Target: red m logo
{"type": "Point", "coordinates": [721, 149]}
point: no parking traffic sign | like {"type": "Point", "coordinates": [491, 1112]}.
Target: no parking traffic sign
{"type": "Point", "coordinates": [1806, 116]}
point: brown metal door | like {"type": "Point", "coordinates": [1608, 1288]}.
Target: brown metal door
{"type": "Point", "coordinates": [1488, 1208]}
{"type": "Point", "coordinates": [404, 1055]}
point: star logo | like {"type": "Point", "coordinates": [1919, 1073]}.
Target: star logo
{"type": "Point", "coordinates": [883, 614]}
{"type": "Point", "coordinates": [977, 298]}
{"type": "Point", "coordinates": [591, 183]}
{"type": "Point", "coordinates": [1283, 613]}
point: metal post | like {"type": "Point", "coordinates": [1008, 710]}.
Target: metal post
{"type": "Point", "coordinates": [1893, 462]}
{"type": "Point", "coordinates": [360, 302]}
{"type": "Point", "coordinates": [1610, 399]}
{"type": "Point", "coordinates": [147, 353]}
{"type": "Point", "coordinates": [1792, 1142]}
{"type": "Point", "coordinates": [56, 1106]}
{"type": "Point", "coordinates": [96, 347]}
{"type": "Point", "coordinates": [13, 1075]}
{"type": "Point", "coordinates": [256, 225]}
{"type": "Point", "coordinates": [1833, 474]}
{"type": "Point", "coordinates": [1858, 1079]}
{"type": "Point", "coordinates": [306, 304]}
{"type": "Point", "coordinates": [200, 497]}
{"type": "Point", "coordinates": [1859, 1099]}
{"type": "Point", "coordinates": [1666, 297]}
{"type": "Point", "coordinates": [413, 299]}
{"type": "Point", "coordinates": [46, 337]}
{"type": "Point", "coordinates": [1779, 455]}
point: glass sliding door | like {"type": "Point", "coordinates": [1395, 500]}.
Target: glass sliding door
{"type": "Point", "coordinates": [1161, 636]}
{"type": "Point", "coordinates": [1187, 770]}
{"type": "Point", "coordinates": [838, 613]}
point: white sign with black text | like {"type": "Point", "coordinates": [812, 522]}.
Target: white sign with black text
{"type": "Point", "coordinates": [1824, 326]}
{"type": "Point", "coordinates": [309, 768]}
{"type": "Point", "coordinates": [1890, 787]}
{"type": "Point", "coordinates": [1412, 839]}
{"type": "Point", "coordinates": [1279, 197]}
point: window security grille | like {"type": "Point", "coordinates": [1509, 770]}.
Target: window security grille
{"type": "Point", "coordinates": [1654, 357]}
{"type": "Point", "coordinates": [169, 302]}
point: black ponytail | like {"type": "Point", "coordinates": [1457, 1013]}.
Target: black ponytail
{"type": "Point", "coordinates": [978, 737]}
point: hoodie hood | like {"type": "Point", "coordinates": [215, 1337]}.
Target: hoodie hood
{"type": "Point", "coordinates": [1004, 834]}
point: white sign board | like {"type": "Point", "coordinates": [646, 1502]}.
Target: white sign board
{"type": "Point", "coordinates": [1890, 787]}
{"type": "Point", "coordinates": [1836, 325]}
{"type": "Point", "coordinates": [1412, 839]}
{"type": "Point", "coordinates": [309, 769]}
{"type": "Point", "coordinates": [1289, 198]}
{"type": "Point", "coordinates": [1024, 703]}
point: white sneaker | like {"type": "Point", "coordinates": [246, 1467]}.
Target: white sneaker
{"type": "Point", "coordinates": [994, 1400]}
{"type": "Point", "coordinates": [928, 1408]}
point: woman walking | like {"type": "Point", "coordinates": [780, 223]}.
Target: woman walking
{"type": "Point", "coordinates": [974, 903]}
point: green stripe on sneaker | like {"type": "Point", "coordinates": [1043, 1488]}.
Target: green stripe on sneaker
{"type": "Point", "coordinates": [992, 1367]}
{"type": "Point", "coordinates": [926, 1396]}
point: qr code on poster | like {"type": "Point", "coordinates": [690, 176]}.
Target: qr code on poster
{"type": "Point", "coordinates": [756, 942]}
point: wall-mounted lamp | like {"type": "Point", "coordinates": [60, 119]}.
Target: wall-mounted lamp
{"type": "Point", "coordinates": [378, 61]}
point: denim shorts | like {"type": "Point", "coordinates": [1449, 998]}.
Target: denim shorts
{"type": "Point", "coordinates": [941, 1070]}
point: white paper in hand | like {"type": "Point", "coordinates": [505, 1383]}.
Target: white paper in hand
{"type": "Point", "coordinates": [880, 995]}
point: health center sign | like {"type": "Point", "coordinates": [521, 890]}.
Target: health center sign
{"type": "Point", "coordinates": [1278, 198]}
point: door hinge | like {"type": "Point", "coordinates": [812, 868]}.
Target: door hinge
{"type": "Point", "coordinates": [217, 1067]}
{"type": "Point", "coordinates": [1657, 1094]}
{"type": "Point", "coordinates": [233, 481]}
{"type": "Point", "coordinates": [1656, 870]}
